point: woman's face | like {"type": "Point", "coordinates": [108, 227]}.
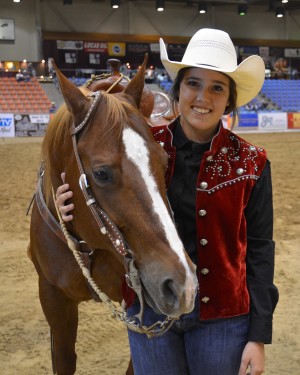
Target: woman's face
{"type": "Point", "coordinates": [203, 97]}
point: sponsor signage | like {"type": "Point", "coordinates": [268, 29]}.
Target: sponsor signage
{"type": "Point", "coordinates": [294, 121]}
{"type": "Point", "coordinates": [154, 47]}
{"type": "Point", "coordinates": [248, 120]}
{"type": "Point", "coordinates": [69, 44]}
{"type": "Point", "coordinates": [31, 125]}
{"type": "Point", "coordinates": [137, 47]}
{"type": "Point", "coordinates": [116, 49]}
{"type": "Point", "coordinates": [7, 126]}
{"type": "Point", "coordinates": [95, 47]}
{"type": "Point", "coordinates": [272, 121]}
{"type": "Point", "coordinates": [292, 52]}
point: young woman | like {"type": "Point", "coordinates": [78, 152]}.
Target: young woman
{"type": "Point", "coordinates": [219, 187]}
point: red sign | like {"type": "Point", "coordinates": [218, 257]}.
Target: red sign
{"type": "Point", "coordinates": [95, 47]}
{"type": "Point", "coordinates": [294, 120]}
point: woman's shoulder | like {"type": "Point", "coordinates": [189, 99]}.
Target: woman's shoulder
{"type": "Point", "coordinates": [241, 144]}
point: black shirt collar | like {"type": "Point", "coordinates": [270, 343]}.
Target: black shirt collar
{"type": "Point", "coordinates": [180, 140]}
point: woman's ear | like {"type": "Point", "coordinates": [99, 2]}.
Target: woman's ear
{"type": "Point", "coordinates": [229, 108]}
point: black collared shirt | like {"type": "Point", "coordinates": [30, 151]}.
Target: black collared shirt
{"type": "Point", "coordinates": [259, 218]}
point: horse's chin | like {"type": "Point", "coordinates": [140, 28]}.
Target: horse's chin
{"type": "Point", "coordinates": [152, 304]}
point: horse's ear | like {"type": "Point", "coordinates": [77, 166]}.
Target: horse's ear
{"type": "Point", "coordinates": [77, 103]}
{"type": "Point", "coordinates": [136, 85]}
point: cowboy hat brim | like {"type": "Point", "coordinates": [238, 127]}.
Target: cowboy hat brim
{"type": "Point", "coordinates": [248, 76]}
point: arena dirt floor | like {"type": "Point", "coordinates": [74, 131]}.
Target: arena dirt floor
{"type": "Point", "coordinates": [102, 346]}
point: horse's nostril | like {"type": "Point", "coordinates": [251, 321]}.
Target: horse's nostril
{"type": "Point", "coordinates": [168, 290]}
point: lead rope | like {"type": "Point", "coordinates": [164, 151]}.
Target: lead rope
{"type": "Point", "coordinates": [77, 255]}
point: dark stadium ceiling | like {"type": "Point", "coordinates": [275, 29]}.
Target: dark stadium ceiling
{"type": "Point", "coordinates": [266, 5]}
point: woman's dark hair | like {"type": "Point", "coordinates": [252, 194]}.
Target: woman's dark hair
{"type": "Point", "coordinates": [174, 95]}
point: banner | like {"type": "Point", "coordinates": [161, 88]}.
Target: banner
{"type": "Point", "coordinates": [248, 120]}
{"type": "Point", "coordinates": [69, 44]}
{"type": "Point", "coordinates": [272, 121]}
{"type": "Point", "coordinates": [116, 49]}
{"type": "Point", "coordinates": [154, 47]}
{"type": "Point", "coordinates": [7, 127]}
{"type": "Point", "coordinates": [294, 121]}
{"type": "Point", "coordinates": [95, 47]}
{"type": "Point", "coordinates": [137, 47]}
{"type": "Point", "coordinates": [292, 52]}
{"type": "Point", "coordinates": [31, 125]}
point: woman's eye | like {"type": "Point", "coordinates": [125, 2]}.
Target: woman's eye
{"type": "Point", "coordinates": [101, 175]}
{"type": "Point", "coordinates": [193, 83]}
{"type": "Point", "coordinates": [218, 88]}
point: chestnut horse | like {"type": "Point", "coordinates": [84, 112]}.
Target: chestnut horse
{"type": "Point", "coordinates": [122, 222]}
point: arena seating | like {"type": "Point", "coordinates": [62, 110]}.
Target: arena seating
{"type": "Point", "coordinates": [78, 81]}
{"type": "Point", "coordinates": [22, 97]}
{"type": "Point", "coordinates": [284, 93]}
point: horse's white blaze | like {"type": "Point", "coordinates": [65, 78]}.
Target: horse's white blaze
{"type": "Point", "coordinates": [137, 152]}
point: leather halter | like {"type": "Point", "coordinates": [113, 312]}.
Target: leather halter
{"type": "Point", "coordinates": [107, 226]}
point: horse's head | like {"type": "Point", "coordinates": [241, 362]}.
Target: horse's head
{"type": "Point", "coordinates": [125, 168]}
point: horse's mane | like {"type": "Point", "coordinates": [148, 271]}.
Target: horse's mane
{"type": "Point", "coordinates": [59, 128]}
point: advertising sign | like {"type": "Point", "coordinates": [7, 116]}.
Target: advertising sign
{"type": "Point", "coordinates": [294, 121]}
{"type": "Point", "coordinates": [31, 125]}
{"type": "Point", "coordinates": [7, 127]}
{"type": "Point", "coordinates": [69, 44]}
{"type": "Point", "coordinates": [272, 121]}
{"type": "Point", "coordinates": [116, 49]}
{"type": "Point", "coordinates": [95, 47]}
{"type": "Point", "coordinates": [248, 120]}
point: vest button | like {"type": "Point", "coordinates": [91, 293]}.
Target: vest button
{"type": "Point", "coordinates": [205, 299]}
{"type": "Point", "coordinates": [239, 171]}
{"type": "Point", "coordinates": [209, 158]}
{"type": "Point", "coordinates": [204, 271]}
{"type": "Point", "coordinates": [203, 185]}
{"type": "Point", "coordinates": [203, 241]}
{"type": "Point", "coordinates": [202, 212]}
{"type": "Point", "coordinates": [224, 150]}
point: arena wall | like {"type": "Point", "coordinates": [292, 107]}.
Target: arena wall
{"type": "Point", "coordinates": [140, 20]}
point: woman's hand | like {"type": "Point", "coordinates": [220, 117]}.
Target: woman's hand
{"type": "Point", "coordinates": [62, 195]}
{"type": "Point", "coordinates": [253, 356]}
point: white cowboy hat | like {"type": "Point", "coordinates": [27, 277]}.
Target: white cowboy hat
{"type": "Point", "coordinates": [213, 49]}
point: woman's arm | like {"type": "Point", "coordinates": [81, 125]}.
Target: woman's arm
{"type": "Point", "coordinates": [260, 259]}
{"type": "Point", "coordinates": [260, 273]}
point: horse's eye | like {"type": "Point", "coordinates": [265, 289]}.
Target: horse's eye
{"type": "Point", "coordinates": [101, 175]}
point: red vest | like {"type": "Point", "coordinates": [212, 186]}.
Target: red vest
{"type": "Point", "coordinates": [227, 174]}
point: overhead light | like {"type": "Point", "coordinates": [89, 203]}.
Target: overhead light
{"type": "Point", "coordinates": [17, 1]}
{"type": "Point", "coordinates": [160, 5]}
{"type": "Point", "coordinates": [242, 9]}
{"type": "Point", "coordinates": [280, 12]}
{"type": "Point", "coordinates": [202, 7]}
{"type": "Point", "coordinates": [284, 1]}
{"type": "Point", "coordinates": [115, 4]}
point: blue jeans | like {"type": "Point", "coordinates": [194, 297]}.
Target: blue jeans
{"type": "Point", "coordinates": [190, 347]}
